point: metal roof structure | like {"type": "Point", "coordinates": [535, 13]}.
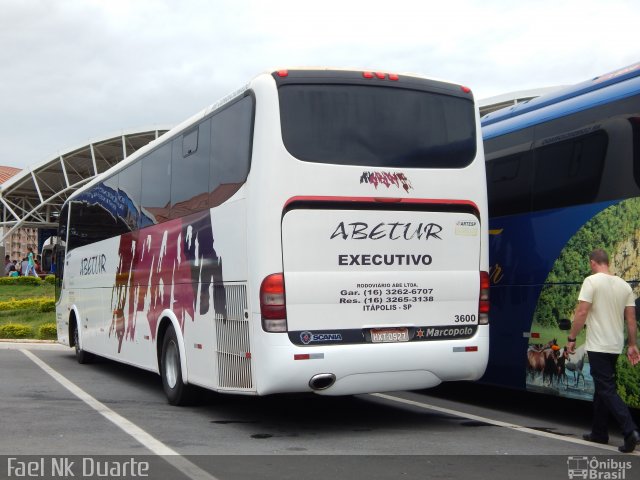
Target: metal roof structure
{"type": "Point", "coordinates": [489, 105]}
{"type": "Point", "coordinates": [34, 197]}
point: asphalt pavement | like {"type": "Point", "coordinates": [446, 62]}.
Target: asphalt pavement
{"type": "Point", "coordinates": [55, 408]}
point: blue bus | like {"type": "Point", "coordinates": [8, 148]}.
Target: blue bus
{"type": "Point", "coordinates": [563, 178]}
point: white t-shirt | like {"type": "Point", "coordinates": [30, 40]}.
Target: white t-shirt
{"type": "Point", "coordinates": [608, 296]}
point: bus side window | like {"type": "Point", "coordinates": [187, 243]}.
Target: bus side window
{"type": "Point", "coordinates": [190, 171]}
{"type": "Point", "coordinates": [509, 184]}
{"type": "Point", "coordinates": [130, 180]}
{"type": "Point", "coordinates": [156, 185]}
{"type": "Point", "coordinates": [231, 142]}
{"type": "Point", "coordinates": [61, 250]}
{"type": "Point", "coordinates": [95, 216]}
{"type": "Point", "coordinates": [509, 164]}
{"type": "Point", "coordinates": [569, 172]}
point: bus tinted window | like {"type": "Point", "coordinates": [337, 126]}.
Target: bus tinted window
{"type": "Point", "coordinates": [190, 171]}
{"type": "Point", "coordinates": [568, 172]}
{"type": "Point", "coordinates": [129, 182]}
{"type": "Point", "coordinates": [377, 126]}
{"type": "Point", "coordinates": [92, 221]}
{"type": "Point", "coordinates": [96, 214]}
{"type": "Point", "coordinates": [190, 143]}
{"type": "Point", "coordinates": [509, 184]}
{"type": "Point", "coordinates": [60, 251]}
{"type": "Point", "coordinates": [156, 184]}
{"type": "Point", "coordinates": [230, 150]}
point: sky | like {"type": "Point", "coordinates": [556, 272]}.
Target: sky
{"type": "Point", "coordinates": [76, 71]}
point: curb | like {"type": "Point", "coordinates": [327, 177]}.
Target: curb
{"type": "Point", "coordinates": [25, 340]}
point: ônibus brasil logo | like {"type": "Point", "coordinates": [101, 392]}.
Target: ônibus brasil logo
{"type": "Point", "coordinates": [597, 469]}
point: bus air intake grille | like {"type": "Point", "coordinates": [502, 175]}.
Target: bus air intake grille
{"type": "Point", "coordinates": [232, 340]}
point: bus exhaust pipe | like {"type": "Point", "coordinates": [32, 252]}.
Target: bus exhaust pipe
{"type": "Point", "coordinates": [322, 381]}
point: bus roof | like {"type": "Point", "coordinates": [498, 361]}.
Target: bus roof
{"type": "Point", "coordinates": [605, 88]}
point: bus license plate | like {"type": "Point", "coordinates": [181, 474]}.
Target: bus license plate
{"type": "Point", "coordinates": [389, 335]}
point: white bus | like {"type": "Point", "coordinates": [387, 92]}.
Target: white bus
{"type": "Point", "coordinates": [315, 231]}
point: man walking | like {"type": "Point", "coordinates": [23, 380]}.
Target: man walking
{"type": "Point", "coordinates": [604, 304]}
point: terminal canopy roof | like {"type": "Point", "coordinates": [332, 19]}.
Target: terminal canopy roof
{"type": "Point", "coordinates": [34, 196]}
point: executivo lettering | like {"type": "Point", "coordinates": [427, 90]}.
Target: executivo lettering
{"type": "Point", "coordinates": [379, 259]}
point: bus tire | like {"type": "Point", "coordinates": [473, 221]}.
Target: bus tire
{"type": "Point", "coordinates": [177, 392]}
{"type": "Point", "coordinates": [82, 356]}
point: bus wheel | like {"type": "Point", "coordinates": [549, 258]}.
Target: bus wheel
{"type": "Point", "coordinates": [178, 393]}
{"type": "Point", "coordinates": [81, 356]}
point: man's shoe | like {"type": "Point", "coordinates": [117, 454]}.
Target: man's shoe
{"type": "Point", "coordinates": [590, 438]}
{"type": "Point", "coordinates": [630, 442]}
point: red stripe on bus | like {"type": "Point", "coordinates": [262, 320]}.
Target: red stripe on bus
{"type": "Point", "coordinates": [405, 201]}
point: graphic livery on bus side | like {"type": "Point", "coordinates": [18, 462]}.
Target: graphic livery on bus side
{"type": "Point", "coordinates": [563, 174]}
{"type": "Point", "coordinates": [316, 231]}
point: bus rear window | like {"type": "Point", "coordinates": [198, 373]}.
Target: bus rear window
{"type": "Point", "coordinates": [377, 126]}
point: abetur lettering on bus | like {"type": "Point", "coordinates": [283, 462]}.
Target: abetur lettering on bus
{"type": "Point", "coordinates": [392, 231]}
{"type": "Point", "coordinates": [93, 265]}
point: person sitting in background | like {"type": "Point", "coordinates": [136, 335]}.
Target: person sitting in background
{"type": "Point", "coordinates": [13, 272]}
{"type": "Point", "coordinates": [24, 266]}
{"type": "Point", "coordinates": [7, 264]}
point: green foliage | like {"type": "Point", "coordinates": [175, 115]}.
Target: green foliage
{"type": "Point", "coordinates": [13, 330]}
{"type": "Point", "coordinates": [48, 331]}
{"type": "Point", "coordinates": [30, 280]}
{"type": "Point", "coordinates": [50, 280]}
{"type": "Point", "coordinates": [42, 304]}
{"type": "Point", "coordinates": [628, 381]}
{"type": "Point", "coordinates": [47, 305]}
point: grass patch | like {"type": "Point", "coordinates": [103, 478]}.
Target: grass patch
{"type": "Point", "coordinates": [28, 312]}
{"type": "Point", "coordinates": [10, 292]}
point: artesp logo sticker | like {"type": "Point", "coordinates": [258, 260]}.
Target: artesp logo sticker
{"type": "Point", "coordinates": [467, 228]}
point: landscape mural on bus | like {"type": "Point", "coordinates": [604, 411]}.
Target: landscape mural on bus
{"type": "Point", "coordinates": [617, 230]}
{"type": "Point", "coordinates": [570, 234]}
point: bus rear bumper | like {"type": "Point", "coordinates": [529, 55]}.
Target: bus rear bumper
{"type": "Point", "coordinates": [368, 368]}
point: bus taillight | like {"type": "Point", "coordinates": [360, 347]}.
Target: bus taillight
{"type": "Point", "coordinates": [272, 303]}
{"type": "Point", "coordinates": [483, 303]}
